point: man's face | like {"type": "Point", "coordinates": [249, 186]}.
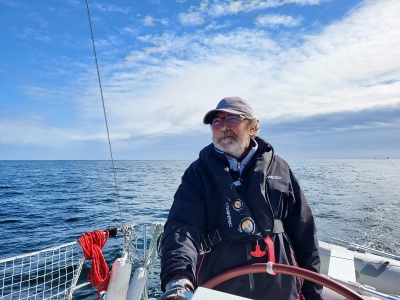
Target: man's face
{"type": "Point", "coordinates": [233, 140]}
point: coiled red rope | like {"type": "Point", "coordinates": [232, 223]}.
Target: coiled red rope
{"type": "Point", "coordinates": [92, 243]}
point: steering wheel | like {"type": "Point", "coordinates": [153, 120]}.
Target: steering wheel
{"type": "Point", "coordinates": [272, 268]}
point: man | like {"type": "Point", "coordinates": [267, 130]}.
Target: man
{"type": "Point", "coordinates": [238, 204]}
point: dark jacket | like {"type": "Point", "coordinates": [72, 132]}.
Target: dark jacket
{"type": "Point", "coordinates": [270, 191]}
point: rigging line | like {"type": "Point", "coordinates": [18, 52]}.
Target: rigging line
{"type": "Point", "coordinates": [105, 116]}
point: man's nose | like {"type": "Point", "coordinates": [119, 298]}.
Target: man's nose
{"type": "Point", "coordinates": [224, 125]}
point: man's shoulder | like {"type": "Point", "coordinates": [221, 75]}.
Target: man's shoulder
{"type": "Point", "coordinates": [265, 147]}
{"type": "Point", "coordinates": [279, 161]}
{"type": "Point", "coordinates": [210, 155]}
{"type": "Point", "coordinates": [198, 165]}
{"type": "Point", "coordinates": [206, 151]}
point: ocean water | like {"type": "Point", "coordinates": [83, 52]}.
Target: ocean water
{"type": "Point", "coordinates": [47, 203]}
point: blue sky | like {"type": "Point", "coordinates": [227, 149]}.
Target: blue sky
{"type": "Point", "coordinates": [322, 76]}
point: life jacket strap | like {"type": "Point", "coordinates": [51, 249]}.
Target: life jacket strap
{"type": "Point", "coordinates": [271, 251]}
{"type": "Point", "coordinates": [278, 226]}
{"type": "Point", "coordinates": [209, 240]}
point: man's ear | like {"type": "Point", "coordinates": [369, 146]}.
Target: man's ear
{"type": "Point", "coordinates": [252, 130]}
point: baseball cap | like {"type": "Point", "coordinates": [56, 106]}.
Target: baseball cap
{"type": "Point", "coordinates": [232, 105]}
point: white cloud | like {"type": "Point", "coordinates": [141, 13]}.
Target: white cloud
{"type": "Point", "coordinates": [148, 21]}
{"type": "Point", "coordinates": [202, 7]}
{"type": "Point", "coordinates": [328, 73]}
{"type": "Point", "coordinates": [151, 21]}
{"type": "Point", "coordinates": [191, 18]}
{"type": "Point", "coordinates": [111, 8]}
{"type": "Point", "coordinates": [109, 45]}
{"type": "Point", "coordinates": [73, 2]}
{"type": "Point", "coordinates": [43, 38]}
{"type": "Point", "coordinates": [12, 3]}
{"type": "Point", "coordinates": [29, 34]}
{"type": "Point", "coordinates": [222, 8]}
{"type": "Point", "coordinates": [129, 30]}
{"type": "Point", "coordinates": [166, 88]}
{"type": "Point", "coordinates": [217, 8]}
{"type": "Point", "coordinates": [275, 20]}
{"type": "Point", "coordinates": [215, 26]}
{"type": "Point", "coordinates": [38, 19]}
{"type": "Point", "coordinates": [40, 133]}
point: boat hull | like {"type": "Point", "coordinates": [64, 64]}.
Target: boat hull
{"type": "Point", "coordinates": [376, 271]}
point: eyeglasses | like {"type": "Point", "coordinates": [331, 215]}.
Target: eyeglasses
{"type": "Point", "coordinates": [230, 120]}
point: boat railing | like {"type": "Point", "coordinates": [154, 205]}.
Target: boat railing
{"type": "Point", "coordinates": [55, 272]}
{"type": "Point", "coordinates": [363, 249]}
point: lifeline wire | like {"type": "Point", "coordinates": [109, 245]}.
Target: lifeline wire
{"type": "Point", "coordinates": [105, 116]}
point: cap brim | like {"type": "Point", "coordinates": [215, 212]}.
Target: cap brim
{"type": "Point", "coordinates": [209, 116]}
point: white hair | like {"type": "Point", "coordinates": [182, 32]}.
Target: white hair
{"type": "Point", "coordinates": [253, 121]}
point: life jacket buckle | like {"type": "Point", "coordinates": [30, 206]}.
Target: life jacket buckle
{"type": "Point", "coordinates": [202, 252]}
{"type": "Point", "coordinates": [209, 240]}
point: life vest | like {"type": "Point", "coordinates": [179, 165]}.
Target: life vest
{"type": "Point", "coordinates": [242, 217]}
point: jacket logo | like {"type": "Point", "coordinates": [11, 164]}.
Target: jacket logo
{"type": "Point", "coordinates": [228, 215]}
{"type": "Point", "coordinates": [274, 177]}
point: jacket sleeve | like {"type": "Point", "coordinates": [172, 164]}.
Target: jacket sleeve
{"type": "Point", "coordinates": [182, 231]}
{"type": "Point", "coordinates": [300, 227]}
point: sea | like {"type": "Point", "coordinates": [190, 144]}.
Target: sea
{"type": "Point", "coordinates": [48, 203]}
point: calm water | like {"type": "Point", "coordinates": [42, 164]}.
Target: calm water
{"type": "Point", "coordinates": [47, 203]}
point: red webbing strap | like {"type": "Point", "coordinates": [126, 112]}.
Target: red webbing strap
{"type": "Point", "coordinates": [271, 250]}
{"type": "Point", "coordinates": [201, 264]}
{"type": "Point", "coordinates": [92, 243]}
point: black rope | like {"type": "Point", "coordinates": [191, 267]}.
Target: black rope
{"type": "Point", "coordinates": [105, 115]}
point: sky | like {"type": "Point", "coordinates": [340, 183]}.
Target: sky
{"type": "Point", "coordinates": [323, 77]}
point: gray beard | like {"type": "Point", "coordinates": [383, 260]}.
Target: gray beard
{"type": "Point", "coordinates": [234, 145]}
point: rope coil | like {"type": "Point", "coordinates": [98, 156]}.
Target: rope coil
{"type": "Point", "coordinates": [92, 244]}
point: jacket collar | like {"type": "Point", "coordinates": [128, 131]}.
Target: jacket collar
{"type": "Point", "coordinates": [234, 162]}
{"type": "Point", "coordinates": [260, 149]}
